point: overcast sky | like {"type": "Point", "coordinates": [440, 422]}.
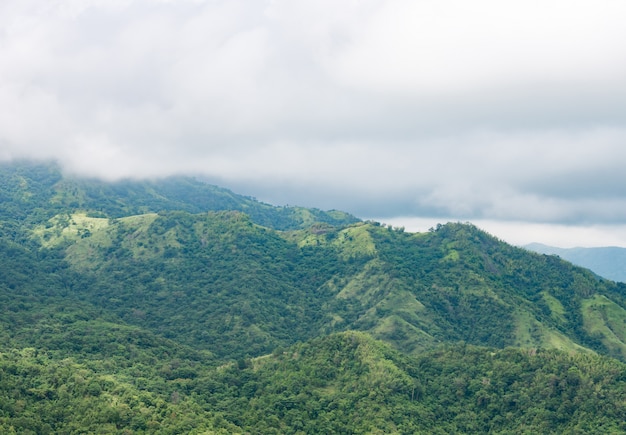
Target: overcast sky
{"type": "Point", "coordinates": [509, 114]}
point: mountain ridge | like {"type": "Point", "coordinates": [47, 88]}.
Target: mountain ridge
{"type": "Point", "coordinates": [41, 186]}
{"type": "Point", "coordinates": [267, 286]}
{"type": "Point", "coordinates": [147, 316]}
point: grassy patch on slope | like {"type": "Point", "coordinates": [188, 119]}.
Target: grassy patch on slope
{"type": "Point", "coordinates": [604, 318]}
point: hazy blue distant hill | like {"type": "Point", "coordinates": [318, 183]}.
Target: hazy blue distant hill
{"type": "Point", "coordinates": [609, 262]}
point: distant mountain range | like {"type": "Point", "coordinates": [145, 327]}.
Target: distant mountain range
{"type": "Point", "coordinates": [608, 262]}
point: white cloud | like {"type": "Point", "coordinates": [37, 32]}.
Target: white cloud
{"type": "Point", "coordinates": [458, 46]}
{"type": "Point", "coordinates": [520, 233]}
{"type": "Point", "coordinates": [484, 109]}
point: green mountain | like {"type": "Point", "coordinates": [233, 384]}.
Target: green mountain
{"type": "Point", "coordinates": [172, 306]}
{"type": "Point", "coordinates": [38, 191]}
{"type": "Point", "coordinates": [220, 282]}
{"type": "Point", "coordinates": [608, 262]}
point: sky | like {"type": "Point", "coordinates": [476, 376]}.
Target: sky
{"type": "Point", "coordinates": [507, 114]}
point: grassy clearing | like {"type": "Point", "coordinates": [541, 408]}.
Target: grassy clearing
{"type": "Point", "coordinates": [305, 216]}
{"type": "Point", "coordinates": [527, 330]}
{"type": "Point", "coordinates": [355, 241]}
{"type": "Point", "coordinates": [68, 227]}
{"type": "Point", "coordinates": [403, 335]}
{"type": "Point", "coordinates": [394, 314]}
{"type": "Point", "coordinates": [557, 311]}
{"type": "Point", "coordinates": [603, 317]}
{"type": "Point", "coordinates": [368, 286]}
{"type": "Point", "coordinates": [86, 236]}
{"type": "Point", "coordinates": [310, 239]}
{"type": "Point", "coordinates": [352, 242]}
{"type": "Point", "coordinates": [555, 340]}
{"type": "Point", "coordinates": [530, 333]}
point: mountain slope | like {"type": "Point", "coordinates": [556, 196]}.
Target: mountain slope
{"type": "Point", "coordinates": [342, 383]}
{"type": "Point", "coordinates": [608, 262]}
{"type": "Point", "coordinates": [349, 383]}
{"type": "Point", "coordinates": [121, 314]}
{"type": "Point", "coordinates": [220, 282]}
{"type": "Point", "coordinates": [38, 191]}
{"type": "Point", "coordinates": [459, 283]}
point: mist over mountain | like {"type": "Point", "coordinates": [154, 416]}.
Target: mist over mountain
{"type": "Point", "coordinates": [173, 306]}
{"type": "Point", "coordinates": [608, 262]}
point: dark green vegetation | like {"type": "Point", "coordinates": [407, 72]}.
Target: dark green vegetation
{"type": "Point", "coordinates": [177, 307]}
{"type": "Point", "coordinates": [608, 262]}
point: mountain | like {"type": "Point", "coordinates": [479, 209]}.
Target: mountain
{"type": "Point", "coordinates": [172, 306]}
{"type": "Point", "coordinates": [608, 262]}
{"type": "Point", "coordinates": [39, 191]}
{"type": "Point", "coordinates": [240, 283]}
{"type": "Point", "coordinates": [218, 281]}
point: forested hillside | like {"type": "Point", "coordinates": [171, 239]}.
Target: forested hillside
{"type": "Point", "coordinates": [39, 191]}
{"type": "Point", "coordinates": [172, 306]}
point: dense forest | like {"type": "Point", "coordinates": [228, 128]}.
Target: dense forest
{"type": "Point", "coordinates": [173, 306]}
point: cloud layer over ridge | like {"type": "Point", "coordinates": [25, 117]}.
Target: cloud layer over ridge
{"type": "Point", "coordinates": [512, 111]}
